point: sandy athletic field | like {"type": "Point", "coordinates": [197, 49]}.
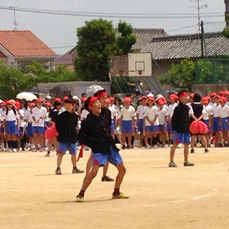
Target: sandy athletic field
{"type": "Point", "coordinates": [160, 197]}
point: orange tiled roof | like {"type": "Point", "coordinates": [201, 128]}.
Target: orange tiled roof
{"type": "Point", "coordinates": [23, 43]}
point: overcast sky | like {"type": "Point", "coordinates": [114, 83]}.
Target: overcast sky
{"type": "Point", "coordinates": [60, 31]}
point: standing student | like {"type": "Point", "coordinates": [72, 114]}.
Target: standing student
{"type": "Point", "coordinates": [95, 132]}
{"type": "Point", "coordinates": [2, 128]}
{"type": "Point", "coordinates": [39, 115]}
{"type": "Point", "coordinates": [140, 118]}
{"type": "Point", "coordinates": [127, 122]}
{"type": "Point", "coordinates": [180, 125]}
{"type": "Point", "coordinates": [66, 126]}
{"type": "Point", "coordinates": [11, 123]}
{"type": "Point", "coordinates": [197, 115]}
{"type": "Point", "coordinates": [162, 120]}
{"type": "Point", "coordinates": [224, 119]}
{"type": "Point", "coordinates": [151, 124]}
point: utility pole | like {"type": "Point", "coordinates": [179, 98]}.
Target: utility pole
{"type": "Point", "coordinates": [15, 21]}
{"type": "Point", "coordinates": [198, 7]}
{"type": "Point", "coordinates": [202, 39]}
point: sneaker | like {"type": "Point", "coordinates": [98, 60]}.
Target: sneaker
{"type": "Point", "coordinates": [131, 146]}
{"type": "Point", "coordinates": [180, 145]}
{"type": "Point", "coordinates": [172, 164]}
{"type": "Point", "coordinates": [80, 198]}
{"type": "Point", "coordinates": [206, 150]}
{"type": "Point", "coordinates": [34, 150]}
{"type": "Point", "coordinates": [139, 146]}
{"type": "Point", "coordinates": [187, 163]}
{"type": "Point", "coordinates": [155, 146]}
{"type": "Point", "coordinates": [209, 145]}
{"type": "Point", "coordinates": [192, 151]}
{"type": "Point", "coordinates": [119, 195]}
{"type": "Point", "coordinates": [148, 147]}
{"type": "Point", "coordinates": [107, 178]}
{"type": "Point", "coordinates": [219, 145]}
{"type": "Point", "coordinates": [123, 147]}
{"type": "Point", "coordinates": [128, 147]}
{"type": "Point", "coordinates": [47, 154]}
{"type": "Point", "coordinates": [58, 172]}
{"type": "Point", "coordinates": [76, 170]}
{"type": "Point", "coordinates": [166, 145]}
{"type": "Point", "coordinates": [14, 150]}
{"type": "Point", "coordinates": [10, 150]}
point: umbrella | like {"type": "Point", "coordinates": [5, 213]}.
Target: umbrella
{"type": "Point", "coordinates": [90, 90]}
{"type": "Point", "coordinates": [60, 88]}
{"type": "Point", "coordinates": [39, 90]}
{"type": "Point", "coordinates": [28, 96]}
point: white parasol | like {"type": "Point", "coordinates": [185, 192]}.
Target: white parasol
{"type": "Point", "coordinates": [90, 90]}
{"type": "Point", "coordinates": [28, 96]}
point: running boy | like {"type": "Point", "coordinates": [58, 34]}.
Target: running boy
{"type": "Point", "coordinates": [180, 125]}
{"type": "Point", "coordinates": [95, 132]}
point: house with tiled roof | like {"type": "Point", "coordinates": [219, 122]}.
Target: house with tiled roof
{"type": "Point", "coordinates": [21, 47]}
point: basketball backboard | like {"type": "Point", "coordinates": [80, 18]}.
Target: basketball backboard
{"type": "Point", "coordinates": [132, 65]}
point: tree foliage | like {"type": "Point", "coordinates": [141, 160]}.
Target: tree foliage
{"type": "Point", "coordinates": [96, 44]}
{"type": "Point", "coordinates": [127, 37]}
{"type": "Point", "coordinates": [13, 81]}
{"type": "Point", "coordinates": [226, 30]}
{"type": "Point", "coordinates": [181, 75]}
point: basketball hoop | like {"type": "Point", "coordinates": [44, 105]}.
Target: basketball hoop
{"type": "Point", "coordinates": [140, 72]}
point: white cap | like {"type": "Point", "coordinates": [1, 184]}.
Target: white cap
{"type": "Point", "coordinates": [48, 97]}
{"type": "Point", "coordinates": [150, 95]}
{"type": "Point", "coordinates": [75, 97]}
{"type": "Point", "coordinates": [0, 101]}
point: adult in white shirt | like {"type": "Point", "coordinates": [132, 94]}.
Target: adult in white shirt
{"type": "Point", "coordinates": [39, 115]}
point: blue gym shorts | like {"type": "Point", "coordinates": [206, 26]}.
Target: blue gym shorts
{"type": "Point", "coordinates": [224, 126]}
{"type": "Point", "coordinates": [127, 126]}
{"type": "Point", "coordinates": [112, 126]}
{"type": "Point", "coordinates": [29, 130]}
{"type": "Point", "coordinates": [140, 125]}
{"type": "Point", "coordinates": [38, 130]}
{"type": "Point", "coordinates": [207, 123]}
{"type": "Point", "coordinates": [216, 126]}
{"type": "Point", "coordinates": [152, 128]}
{"type": "Point", "coordinates": [62, 148]}
{"type": "Point", "coordinates": [101, 159]}
{"type": "Point", "coordinates": [162, 127]}
{"type": "Point", "coordinates": [181, 138]}
{"type": "Point", "coordinates": [169, 127]}
{"type": "Point", "coordinates": [11, 127]}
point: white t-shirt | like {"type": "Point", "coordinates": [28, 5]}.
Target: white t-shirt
{"type": "Point", "coordinates": [21, 115]}
{"type": "Point", "coordinates": [209, 111]}
{"type": "Point", "coordinates": [28, 116]}
{"type": "Point", "coordinates": [162, 114]}
{"type": "Point", "coordinates": [151, 112]}
{"type": "Point", "coordinates": [224, 111]}
{"type": "Point", "coordinates": [2, 114]}
{"type": "Point", "coordinates": [216, 110]}
{"type": "Point", "coordinates": [171, 109]}
{"type": "Point", "coordinates": [39, 114]}
{"type": "Point", "coordinates": [84, 114]}
{"type": "Point", "coordinates": [128, 114]}
{"type": "Point", "coordinates": [141, 111]}
{"type": "Point", "coordinates": [11, 116]}
{"type": "Point", "coordinates": [113, 112]}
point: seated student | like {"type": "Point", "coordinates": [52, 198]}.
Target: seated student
{"type": "Point", "coordinates": [95, 132]}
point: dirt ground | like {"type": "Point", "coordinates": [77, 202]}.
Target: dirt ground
{"type": "Point", "coordinates": [160, 197]}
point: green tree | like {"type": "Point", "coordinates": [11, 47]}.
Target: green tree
{"type": "Point", "coordinates": [96, 44]}
{"type": "Point", "coordinates": [226, 30]}
{"type": "Point", "coordinates": [181, 75]}
{"type": "Point", "coordinates": [127, 37]}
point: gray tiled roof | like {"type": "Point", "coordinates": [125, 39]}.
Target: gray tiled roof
{"type": "Point", "coordinates": [183, 46]}
{"type": "Point", "coordinates": [145, 36]}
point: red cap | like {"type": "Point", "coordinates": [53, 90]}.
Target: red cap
{"type": "Point", "coordinates": [143, 97]}
{"type": "Point", "coordinates": [65, 97]}
{"type": "Point", "coordinates": [31, 105]}
{"type": "Point", "coordinates": [127, 99]}
{"type": "Point", "coordinates": [151, 98]}
{"type": "Point", "coordinates": [17, 104]}
{"type": "Point", "coordinates": [48, 104]}
{"type": "Point", "coordinates": [223, 99]}
{"type": "Point", "coordinates": [226, 93]}
{"type": "Point", "coordinates": [222, 93]}
{"type": "Point", "coordinates": [39, 100]}
{"type": "Point", "coordinates": [205, 100]}
{"type": "Point", "coordinates": [57, 100]}
{"type": "Point", "coordinates": [213, 94]}
{"type": "Point", "coordinates": [161, 101]}
{"type": "Point", "coordinates": [84, 99]}
{"type": "Point", "coordinates": [9, 102]}
{"type": "Point", "coordinates": [191, 95]}
{"type": "Point", "coordinates": [111, 98]}
{"type": "Point", "coordinates": [173, 96]}
{"type": "Point", "coordinates": [3, 103]}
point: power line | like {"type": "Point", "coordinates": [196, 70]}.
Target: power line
{"type": "Point", "coordinates": [116, 15]}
